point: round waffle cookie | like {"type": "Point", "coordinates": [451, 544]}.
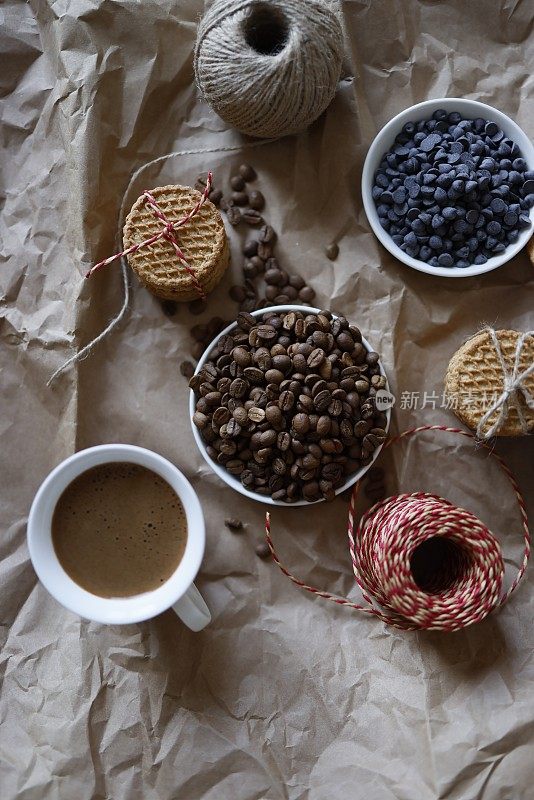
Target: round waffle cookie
{"type": "Point", "coordinates": [530, 249]}
{"type": "Point", "coordinates": [202, 240]}
{"type": "Point", "coordinates": [474, 380]}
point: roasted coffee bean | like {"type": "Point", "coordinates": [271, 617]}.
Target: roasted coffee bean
{"type": "Point", "coordinates": [187, 369]}
{"type": "Point", "coordinates": [240, 199]}
{"type": "Point", "coordinates": [297, 282]}
{"type": "Point", "coordinates": [274, 376]}
{"type": "Point", "coordinates": [251, 248]}
{"type": "Point", "coordinates": [316, 358]}
{"type": "Point", "coordinates": [252, 217]}
{"type": "Point", "coordinates": [246, 321]}
{"type": "Point", "coordinates": [256, 414]}
{"type": "Point", "coordinates": [265, 251]}
{"type": "Point", "coordinates": [215, 196]}
{"type": "Point", "coordinates": [306, 294]}
{"type": "Point", "coordinates": [301, 424]}
{"type": "Point", "coordinates": [237, 293]}
{"type": "Point", "coordinates": [200, 420]}
{"type": "Point", "coordinates": [266, 332]}
{"type": "Point", "coordinates": [233, 215]}
{"type": "Point", "coordinates": [332, 251]}
{"type": "Point", "coordinates": [262, 550]}
{"type": "Point", "coordinates": [238, 388]}
{"type": "Point", "coordinates": [268, 438]}
{"type": "Point", "coordinates": [221, 416]}
{"type": "Point", "coordinates": [361, 428]}
{"type": "Point", "coordinates": [253, 374]}
{"type": "Point", "coordinates": [234, 524]}
{"type": "Point", "coordinates": [240, 414]}
{"type": "Point", "coordinates": [242, 356]}
{"type": "Point", "coordinates": [256, 200]}
{"type": "Point", "coordinates": [286, 401]}
{"type": "Point", "coordinates": [267, 235]}
{"type": "Point", "coordinates": [233, 428]}
{"type": "Point", "coordinates": [283, 441]}
{"type": "Point", "coordinates": [273, 276]}
{"type": "Point", "coordinates": [274, 416]}
{"type": "Point", "coordinates": [247, 172]}
{"type": "Point", "coordinates": [170, 307]}
{"type": "Point", "coordinates": [237, 183]}
{"type": "Point", "coordinates": [249, 270]}
{"type": "Point", "coordinates": [322, 400]}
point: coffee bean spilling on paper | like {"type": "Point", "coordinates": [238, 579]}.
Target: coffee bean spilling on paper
{"type": "Point", "coordinates": [453, 192]}
{"type": "Point", "coordinates": [286, 403]}
{"type": "Point", "coordinates": [243, 205]}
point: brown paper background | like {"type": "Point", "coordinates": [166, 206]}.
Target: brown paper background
{"type": "Point", "coordinates": [283, 696]}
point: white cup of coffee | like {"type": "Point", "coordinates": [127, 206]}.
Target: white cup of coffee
{"type": "Point", "coordinates": [176, 591]}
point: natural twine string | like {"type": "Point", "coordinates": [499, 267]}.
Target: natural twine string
{"type": "Point", "coordinates": [383, 543]}
{"type": "Point", "coordinates": [117, 319]}
{"type": "Point", "coordinates": [514, 384]}
{"type": "Point", "coordinates": [269, 69]}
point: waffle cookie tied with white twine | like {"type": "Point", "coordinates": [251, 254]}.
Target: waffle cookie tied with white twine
{"type": "Point", "coordinates": [490, 383]}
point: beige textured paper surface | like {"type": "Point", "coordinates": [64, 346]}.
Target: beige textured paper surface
{"type": "Point", "coordinates": [284, 696]}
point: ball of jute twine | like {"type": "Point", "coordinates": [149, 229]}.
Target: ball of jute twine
{"type": "Point", "coordinates": [268, 68]}
{"type": "Point", "coordinates": [387, 549]}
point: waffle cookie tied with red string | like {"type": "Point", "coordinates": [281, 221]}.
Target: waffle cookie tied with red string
{"type": "Point", "coordinates": [202, 240]}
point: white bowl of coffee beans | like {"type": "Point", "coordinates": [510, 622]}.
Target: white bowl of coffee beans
{"type": "Point", "coordinates": [286, 405]}
{"type": "Point", "coordinates": [448, 187]}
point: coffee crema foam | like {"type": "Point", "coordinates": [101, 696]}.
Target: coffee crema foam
{"type": "Point", "coordinates": [119, 530]}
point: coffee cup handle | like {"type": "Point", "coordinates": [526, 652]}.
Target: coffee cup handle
{"type": "Point", "coordinates": [192, 609]}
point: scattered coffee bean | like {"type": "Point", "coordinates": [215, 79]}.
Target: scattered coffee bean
{"type": "Point", "coordinates": [306, 294]}
{"type": "Point", "coordinates": [170, 307]}
{"type": "Point", "coordinates": [267, 235]}
{"type": "Point", "coordinates": [332, 251]}
{"type": "Point", "coordinates": [252, 217]}
{"type": "Point", "coordinates": [234, 524]}
{"type": "Point", "coordinates": [251, 248]}
{"type": "Point", "coordinates": [187, 369]}
{"type": "Point", "coordinates": [262, 550]}
{"type": "Point", "coordinates": [247, 172]}
{"type": "Point", "coordinates": [197, 350]}
{"type": "Point", "coordinates": [238, 293]}
{"type": "Point", "coordinates": [239, 198]}
{"type": "Point", "coordinates": [237, 183]}
{"type": "Point", "coordinates": [215, 196]}
{"type": "Point", "coordinates": [233, 214]}
{"type": "Point", "coordinates": [256, 200]}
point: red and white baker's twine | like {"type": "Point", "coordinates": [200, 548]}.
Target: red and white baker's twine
{"type": "Point", "coordinates": [167, 232]}
{"type": "Point", "coordinates": [384, 540]}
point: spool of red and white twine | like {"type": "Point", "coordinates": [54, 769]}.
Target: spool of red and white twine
{"type": "Point", "coordinates": [465, 588]}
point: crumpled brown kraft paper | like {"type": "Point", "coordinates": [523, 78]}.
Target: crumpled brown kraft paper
{"type": "Point", "coordinates": [283, 696]}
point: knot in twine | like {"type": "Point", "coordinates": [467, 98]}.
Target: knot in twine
{"type": "Point", "coordinates": [168, 232]}
{"type": "Point", "coordinates": [268, 68]}
{"type": "Point", "coordinates": [397, 539]}
{"type": "Point", "coordinates": [514, 385]}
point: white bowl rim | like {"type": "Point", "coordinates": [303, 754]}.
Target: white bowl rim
{"type": "Point", "coordinates": [385, 137]}
{"type": "Point", "coordinates": [236, 484]}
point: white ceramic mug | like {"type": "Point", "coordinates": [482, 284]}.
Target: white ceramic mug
{"type": "Point", "coordinates": [178, 592]}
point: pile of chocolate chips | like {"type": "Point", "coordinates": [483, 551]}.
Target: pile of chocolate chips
{"type": "Point", "coordinates": [453, 192]}
{"type": "Point", "coordinates": [286, 403]}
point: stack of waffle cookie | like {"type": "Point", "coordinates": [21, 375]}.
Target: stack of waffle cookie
{"type": "Point", "coordinates": [202, 240]}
